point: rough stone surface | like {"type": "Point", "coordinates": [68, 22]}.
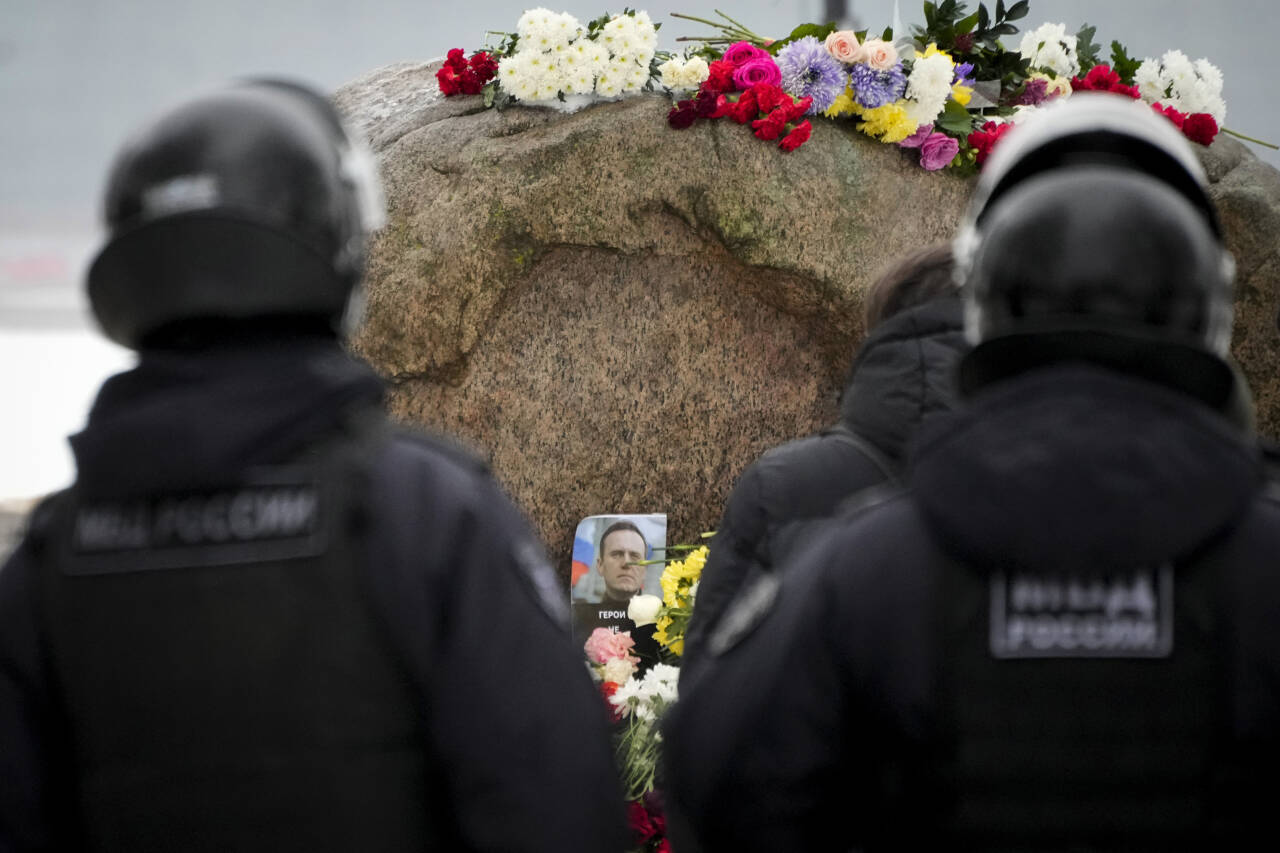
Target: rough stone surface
{"type": "Point", "coordinates": [621, 315]}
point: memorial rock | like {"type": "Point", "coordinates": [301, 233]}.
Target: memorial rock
{"type": "Point", "coordinates": [620, 316]}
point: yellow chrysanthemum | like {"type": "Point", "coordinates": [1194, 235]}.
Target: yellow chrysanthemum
{"type": "Point", "coordinates": [843, 105]}
{"type": "Point", "coordinates": [888, 123]}
{"type": "Point", "coordinates": [961, 94]}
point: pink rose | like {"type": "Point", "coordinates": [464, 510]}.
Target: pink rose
{"type": "Point", "coordinates": [740, 53]}
{"type": "Point", "coordinates": [604, 645]}
{"type": "Point", "coordinates": [844, 46]}
{"type": "Point", "coordinates": [879, 54]}
{"type": "Point", "coordinates": [936, 149]}
{"type": "Point", "coordinates": [760, 70]}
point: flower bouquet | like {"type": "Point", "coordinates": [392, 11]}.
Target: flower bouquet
{"type": "Point", "coordinates": [948, 89]}
{"type": "Point", "coordinates": [640, 692]}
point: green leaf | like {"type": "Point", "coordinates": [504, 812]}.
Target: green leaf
{"type": "Point", "coordinates": [983, 18]}
{"type": "Point", "coordinates": [887, 35]}
{"type": "Point", "coordinates": [930, 14]}
{"type": "Point", "coordinates": [1018, 10]}
{"type": "Point", "coordinates": [488, 92]}
{"type": "Point", "coordinates": [999, 10]}
{"type": "Point", "coordinates": [1004, 30]}
{"type": "Point", "coordinates": [966, 25]}
{"type": "Point", "coordinates": [955, 120]}
{"type": "Point", "coordinates": [1123, 64]}
{"type": "Point", "coordinates": [1086, 48]}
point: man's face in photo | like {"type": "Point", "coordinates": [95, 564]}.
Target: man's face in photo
{"type": "Point", "coordinates": [620, 553]}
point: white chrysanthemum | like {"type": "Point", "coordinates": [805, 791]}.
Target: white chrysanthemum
{"type": "Point", "coordinates": [542, 29]}
{"type": "Point", "coordinates": [1147, 79]}
{"type": "Point", "coordinates": [609, 83]}
{"type": "Point", "coordinates": [928, 87]}
{"type": "Point", "coordinates": [1048, 47]}
{"type": "Point", "coordinates": [635, 79]}
{"type": "Point", "coordinates": [1176, 81]}
{"type": "Point", "coordinates": [597, 57]}
{"type": "Point", "coordinates": [521, 74]}
{"type": "Point", "coordinates": [660, 683]}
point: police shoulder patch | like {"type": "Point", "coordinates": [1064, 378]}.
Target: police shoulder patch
{"type": "Point", "coordinates": [1122, 614]}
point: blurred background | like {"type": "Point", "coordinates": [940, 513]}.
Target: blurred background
{"type": "Point", "coordinates": [76, 76]}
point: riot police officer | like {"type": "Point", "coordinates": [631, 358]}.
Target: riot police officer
{"type": "Point", "coordinates": [262, 618]}
{"type": "Point", "coordinates": [1061, 636]}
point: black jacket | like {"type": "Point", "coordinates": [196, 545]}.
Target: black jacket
{"type": "Point", "coordinates": [902, 376]}
{"type": "Point", "coordinates": [507, 725]}
{"type": "Point", "coordinates": [868, 706]}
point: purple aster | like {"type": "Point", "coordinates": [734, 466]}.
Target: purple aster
{"type": "Point", "coordinates": [809, 71]}
{"type": "Point", "coordinates": [872, 88]}
{"type": "Point", "coordinates": [1034, 92]}
{"type": "Point", "coordinates": [963, 70]}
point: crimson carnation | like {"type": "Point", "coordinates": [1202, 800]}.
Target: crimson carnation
{"type": "Point", "coordinates": [459, 75]}
{"type": "Point", "coordinates": [1200, 127]}
{"type": "Point", "coordinates": [456, 59]}
{"type": "Point", "coordinates": [770, 127]}
{"type": "Point", "coordinates": [720, 78]}
{"type": "Point", "coordinates": [745, 109]}
{"type": "Point", "coordinates": [767, 96]}
{"type": "Point", "coordinates": [448, 81]}
{"type": "Point", "coordinates": [1101, 78]}
{"type": "Point", "coordinates": [984, 140]}
{"type": "Point", "coordinates": [797, 137]}
{"type": "Point", "coordinates": [682, 115]}
{"type": "Point", "coordinates": [706, 104]}
{"type": "Point", "coordinates": [1178, 118]}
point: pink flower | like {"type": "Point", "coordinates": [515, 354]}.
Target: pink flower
{"type": "Point", "coordinates": [844, 46]}
{"type": "Point", "coordinates": [936, 149]}
{"type": "Point", "coordinates": [604, 645]}
{"type": "Point", "coordinates": [740, 53]}
{"type": "Point", "coordinates": [762, 69]}
{"type": "Point", "coordinates": [879, 54]}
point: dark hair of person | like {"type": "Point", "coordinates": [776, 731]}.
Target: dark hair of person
{"type": "Point", "coordinates": [614, 528]}
{"type": "Point", "coordinates": [916, 279]}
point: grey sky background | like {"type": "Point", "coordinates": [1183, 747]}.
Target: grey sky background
{"type": "Point", "coordinates": [76, 76]}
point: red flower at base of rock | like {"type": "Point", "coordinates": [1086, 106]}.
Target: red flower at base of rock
{"type": "Point", "coordinates": [983, 141]}
{"type": "Point", "coordinates": [462, 76]}
{"type": "Point", "coordinates": [647, 822]}
{"type": "Point", "coordinates": [607, 689]}
{"type": "Point", "coordinates": [682, 115]}
{"type": "Point", "coordinates": [797, 137]}
{"type": "Point", "coordinates": [1200, 127]}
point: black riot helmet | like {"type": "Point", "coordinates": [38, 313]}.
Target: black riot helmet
{"type": "Point", "coordinates": [249, 203]}
{"type": "Point", "coordinates": [1091, 234]}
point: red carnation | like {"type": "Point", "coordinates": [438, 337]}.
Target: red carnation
{"type": "Point", "coordinates": [720, 78]}
{"type": "Point", "coordinates": [1200, 127]}
{"type": "Point", "coordinates": [484, 64]}
{"type": "Point", "coordinates": [984, 140]}
{"type": "Point", "coordinates": [459, 75]}
{"type": "Point", "coordinates": [706, 104]}
{"type": "Point", "coordinates": [682, 115]}
{"type": "Point", "coordinates": [1101, 78]}
{"type": "Point", "coordinates": [797, 137]}
{"type": "Point", "coordinates": [448, 81]}
{"type": "Point", "coordinates": [1171, 114]}
{"type": "Point", "coordinates": [793, 109]}
{"type": "Point", "coordinates": [770, 127]}
{"type": "Point", "coordinates": [768, 96]}
{"type": "Point", "coordinates": [745, 108]}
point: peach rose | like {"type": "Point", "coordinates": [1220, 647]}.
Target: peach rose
{"type": "Point", "coordinates": [844, 46]}
{"type": "Point", "coordinates": [879, 54]}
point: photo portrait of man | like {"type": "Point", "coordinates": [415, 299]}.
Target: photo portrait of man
{"type": "Point", "coordinates": [610, 567]}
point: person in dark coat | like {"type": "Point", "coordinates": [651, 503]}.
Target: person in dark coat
{"type": "Point", "coordinates": [901, 377]}
{"type": "Point", "coordinates": [263, 618]}
{"type": "Point", "coordinates": [1062, 635]}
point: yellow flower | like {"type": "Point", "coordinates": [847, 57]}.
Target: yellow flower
{"type": "Point", "coordinates": [888, 123]}
{"type": "Point", "coordinates": [961, 94]}
{"type": "Point", "coordinates": [932, 50]}
{"type": "Point", "coordinates": [843, 105]}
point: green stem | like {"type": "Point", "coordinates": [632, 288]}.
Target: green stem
{"type": "Point", "coordinates": [739, 25]}
{"type": "Point", "coordinates": [1270, 145]}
